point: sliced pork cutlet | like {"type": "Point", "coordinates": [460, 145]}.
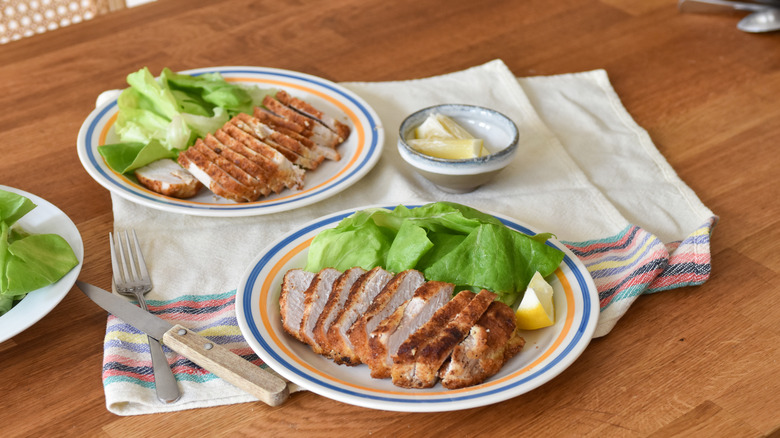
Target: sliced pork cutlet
{"type": "Point", "coordinates": [257, 174]}
{"type": "Point", "coordinates": [306, 108]}
{"type": "Point", "coordinates": [491, 342]}
{"type": "Point", "coordinates": [295, 131]}
{"type": "Point", "coordinates": [428, 358]}
{"type": "Point", "coordinates": [169, 178]}
{"type": "Point", "coordinates": [385, 340]}
{"type": "Point", "coordinates": [291, 175]}
{"type": "Point", "coordinates": [396, 292]}
{"type": "Point", "coordinates": [403, 368]}
{"type": "Point", "coordinates": [265, 165]}
{"type": "Point", "coordinates": [289, 147]}
{"type": "Point", "coordinates": [336, 299]}
{"type": "Point", "coordinates": [316, 297]}
{"type": "Point", "coordinates": [315, 131]}
{"type": "Point", "coordinates": [359, 299]}
{"type": "Point", "coordinates": [292, 298]}
{"type": "Point", "coordinates": [259, 188]}
{"type": "Point", "coordinates": [213, 177]}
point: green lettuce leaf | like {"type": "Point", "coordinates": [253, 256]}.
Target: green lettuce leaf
{"type": "Point", "coordinates": [36, 261]}
{"type": "Point", "coordinates": [446, 241]}
{"type": "Point", "coordinates": [125, 157]}
{"type": "Point", "coordinates": [27, 261]}
{"type": "Point", "coordinates": [13, 207]}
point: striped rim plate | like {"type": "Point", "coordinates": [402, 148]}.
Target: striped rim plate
{"type": "Point", "coordinates": [546, 354]}
{"type": "Point", "coordinates": [359, 152]}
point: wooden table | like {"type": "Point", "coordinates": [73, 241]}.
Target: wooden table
{"type": "Point", "coordinates": [698, 361]}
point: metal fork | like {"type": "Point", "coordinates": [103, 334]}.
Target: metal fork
{"type": "Point", "coordinates": [132, 279]}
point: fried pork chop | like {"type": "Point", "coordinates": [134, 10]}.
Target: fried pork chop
{"type": "Point", "coordinates": [358, 301]}
{"type": "Point", "coordinates": [491, 342]}
{"type": "Point", "coordinates": [417, 364]}
{"type": "Point", "coordinates": [401, 326]}
{"type": "Point", "coordinates": [292, 299]}
{"type": "Point", "coordinates": [396, 292]}
{"type": "Point", "coordinates": [385, 340]}
{"type": "Point", "coordinates": [336, 300]}
{"type": "Point", "coordinates": [315, 298]}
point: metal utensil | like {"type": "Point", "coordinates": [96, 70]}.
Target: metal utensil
{"type": "Point", "coordinates": [767, 20]}
{"type": "Point", "coordinates": [263, 384]}
{"type": "Point", "coordinates": [132, 279]}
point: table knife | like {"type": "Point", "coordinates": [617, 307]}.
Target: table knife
{"type": "Point", "coordinates": [267, 386]}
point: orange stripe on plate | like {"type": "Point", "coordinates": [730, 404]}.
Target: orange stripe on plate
{"type": "Point", "coordinates": [265, 293]}
{"type": "Point", "coordinates": [358, 128]}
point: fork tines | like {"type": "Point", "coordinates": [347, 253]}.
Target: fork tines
{"type": "Point", "coordinates": [127, 260]}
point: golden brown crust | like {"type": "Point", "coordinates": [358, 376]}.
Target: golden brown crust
{"type": "Point", "coordinates": [335, 303]}
{"type": "Point", "coordinates": [360, 296]}
{"type": "Point", "coordinates": [430, 359]}
{"type": "Point", "coordinates": [403, 369]}
{"type": "Point", "coordinates": [491, 342]}
{"type": "Point", "coordinates": [397, 291]}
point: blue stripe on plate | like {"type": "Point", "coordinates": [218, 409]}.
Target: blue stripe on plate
{"type": "Point", "coordinates": [92, 138]}
{"type": "Point", "coordinates": [268, 256]}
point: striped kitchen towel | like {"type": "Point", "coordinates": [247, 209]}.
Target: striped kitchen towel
{"type": "Point", "coordinates": [585, 172]}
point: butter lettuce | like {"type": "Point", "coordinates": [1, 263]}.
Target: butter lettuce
{"type": "Point", "coordinates": [158, 118]}
{"type": "Point", "coordinates": [27, 261]}
{"type": "Point", "coordinates": [445, 241]}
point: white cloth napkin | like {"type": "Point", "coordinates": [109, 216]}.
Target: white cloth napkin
{"type": "Point", "coordinates": [585, 172]}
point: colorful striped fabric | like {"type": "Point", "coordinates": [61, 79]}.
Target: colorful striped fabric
{"type": "Point", "coordinates": [212, 316]}
{"type": "Point", "coordinates": [635, 262]}
{"type": "Point", "coordinates": [624, 266]}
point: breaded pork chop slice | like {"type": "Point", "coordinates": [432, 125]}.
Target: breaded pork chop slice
{"type": "Point", "coordinates": [429, 358]}
{"type": "Point", "coordinates": [336, 299]}
{"type": "Point", "coordinates": [359, 299]}
{"type": "Point", "coordinates": [491, 342]}
{"type": "Point", "coordinates": [384, 341]}
{"type": "Point", "coordinates": [316, 296]}
{"type": "Point", "coordinates": [396, 292]}
{"type": "Point", "coordinates": [292, 299]}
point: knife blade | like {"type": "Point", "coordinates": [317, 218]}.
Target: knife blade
{"type": "Point", "coordinates": [267, 386]}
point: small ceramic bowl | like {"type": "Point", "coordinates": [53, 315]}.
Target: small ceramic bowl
{"type": "Point", "coordinates": [498, 132]}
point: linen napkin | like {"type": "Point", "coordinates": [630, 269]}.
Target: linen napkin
{"type": "Point", "coordinates": [586, 172]}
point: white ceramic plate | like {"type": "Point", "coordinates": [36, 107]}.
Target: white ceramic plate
{"type": "Point", "coordinates": [546, 354]}
{"type": "Point", "coordinates": [43, 219]}
{"type": "Point", "coordinates": [359, 153]}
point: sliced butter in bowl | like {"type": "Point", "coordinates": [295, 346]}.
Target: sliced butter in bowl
{"type": "Point", "coordinates": [448, 148]}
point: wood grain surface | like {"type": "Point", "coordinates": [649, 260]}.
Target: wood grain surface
{"type": "Point", "coordinates": [697, 361]}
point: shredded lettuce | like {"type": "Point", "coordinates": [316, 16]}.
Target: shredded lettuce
{"type": "Point", "coordinates": [158, 118]}
{"type": "Point", "coordinates": [27, 261]}
{"type": "Point", "coordinates": [445, 241]}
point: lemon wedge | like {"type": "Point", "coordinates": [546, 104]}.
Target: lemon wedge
{"type": "Point", "coordinates": [536, 309]}
{"type": "Point", "coordinates": [441, 126]}
{"type": "Point", "coordinates": [450, 149]}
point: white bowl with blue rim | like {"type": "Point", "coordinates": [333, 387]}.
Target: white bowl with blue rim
{"type": "Point", "coordinates": [498, 132]}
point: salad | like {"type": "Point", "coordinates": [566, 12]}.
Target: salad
{"type": "Point", "coordinates": [27, 261]}
{"type": "Point", "coordinates": [445, 241]}
{"type": "Point", "coordinates": [158, 118]}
